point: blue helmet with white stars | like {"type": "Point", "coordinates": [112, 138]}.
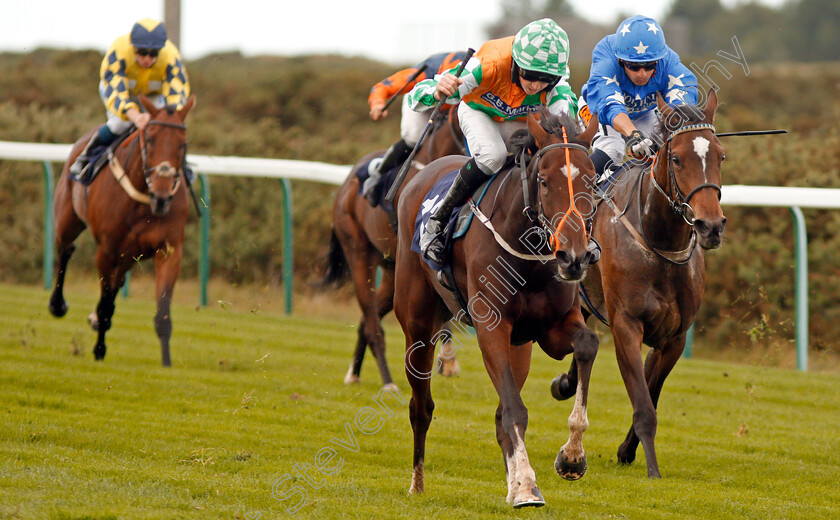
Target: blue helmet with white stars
{"type": "Point", "coordinates": [640, 39]}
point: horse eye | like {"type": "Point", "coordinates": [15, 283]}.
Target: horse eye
{"type": "Point", "coordinates": [723, 157]}
{"type": "Point", "coordinates": [542, 182]}
{"type": "Point", "coordinates": [676, 160]}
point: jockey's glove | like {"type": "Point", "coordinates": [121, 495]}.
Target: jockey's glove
{"type": "Point", "coordinates": [639, 146]}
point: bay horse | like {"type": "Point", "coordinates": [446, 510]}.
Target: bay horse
{"type": "Point", "coordinates": [136, 208]}
{"type": "Point", "coordinates": [363, 238]}
{"type": "Point", "coordinates": [540, 304]}
{"type": "Point", "coordinates": [650, 280]}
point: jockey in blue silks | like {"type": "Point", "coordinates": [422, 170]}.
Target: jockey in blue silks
{"type": "Point", "coordinates": [628, 69]}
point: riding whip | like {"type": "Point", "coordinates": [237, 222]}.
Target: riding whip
{"type": "Point", "coordinates": [753, 132]}
{"type": "Point", "coordinates": [389, 197]}
{"type": "Point", "coordinates": [407, 83]}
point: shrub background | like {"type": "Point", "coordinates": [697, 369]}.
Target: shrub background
{"type": "Point", "coordinates": [315, 108]}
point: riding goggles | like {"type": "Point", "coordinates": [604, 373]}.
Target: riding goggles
{"type": "Point", "coordinates": [148, 52]}
{"type": "Point", "coordinates": [635, 67]}
{"type": "Point", "coordinates": [533, 75]}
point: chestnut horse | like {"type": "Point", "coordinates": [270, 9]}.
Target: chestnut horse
{"type": "Point", "coordinates": [363, 238]}
{"type": "Point", "coordinates": [650, 280]}
{"type": "Point", "coordinates": [136, 208]}
{"type": "Point", "coordinates": [512, 298]}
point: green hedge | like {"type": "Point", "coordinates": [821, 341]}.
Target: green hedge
{"type": "Point", "coordinates": [314, 108]}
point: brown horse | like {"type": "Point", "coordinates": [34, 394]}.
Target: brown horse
{"type": "Point", "coordinates": [363, 238]}
{"type": "Point", "coordinates": [512, 298]}
{"type": "Point", "coordinates": [650, 280]}
{"type": "Point", "coordinates": [136, 209]}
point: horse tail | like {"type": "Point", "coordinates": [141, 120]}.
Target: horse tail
{"type": "Point", "coordinates": [335, 272]}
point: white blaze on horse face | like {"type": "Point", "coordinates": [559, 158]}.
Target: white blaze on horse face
{"type": "Point", "coordinates": [574, 169]}
{"type": "Point", "coordinates": [701, 148]}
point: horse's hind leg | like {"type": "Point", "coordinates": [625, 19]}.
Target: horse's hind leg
{"type": "Point", "coordinates": [372, 301]}
{"type": "Point", "coordinates": [446, 355]}
{"type": "Point", "coordinates": [67, 228]}
{"type": "Point", "coordinates": [167, 267]}
{"type": "Point", "coordinates": [658, 364]}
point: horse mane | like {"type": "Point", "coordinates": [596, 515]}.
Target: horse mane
{"type": "Point", "coordinates": [555, 123]}
{"type": "Point", "coordinates": [681, 115]}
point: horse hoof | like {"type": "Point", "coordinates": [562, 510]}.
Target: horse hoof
{"type": "Point", "coordinates": [350, 378]}
{"type": "Point", "coordinates": [99, 352]}
{"type": "Point", "coordinates": [534, 500]}
{"type": "Point", "coordinates": [451, 367]}
{"type": "Point", "coordinates": [93, 320]}
{"type": "Point", "coordinates": [561, 389]}
{"type": "Point", "coordinates": [570, 470]}
{"type": "Point", "coordinates": [58, 309]}
{"type": "Point", "coordinates": [391, 387]}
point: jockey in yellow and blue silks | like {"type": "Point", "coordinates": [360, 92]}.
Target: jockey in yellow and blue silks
{"type": "Point", "coordinates": [143, 62]}
{"type": "Point", "coordinates": [506, 80]}
{"type": "Point", "coordinates": [628, 69]}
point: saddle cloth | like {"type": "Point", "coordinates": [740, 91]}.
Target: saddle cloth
{"type": "Point", "coordinates": [458, 223]}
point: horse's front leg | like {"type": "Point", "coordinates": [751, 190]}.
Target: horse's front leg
{"type": "Point", "coordinates": [111, 278]}
{"type": "Point", "coordinates": [627, 335]}
{"type": "Point", "coordinates": [658, 364]}
{"type": "Point", "coordinates": [508, 368]}
{"type": "Point", "coordinates": [167, 268]}
{"type": "Point", "coordinates": [573, 335]}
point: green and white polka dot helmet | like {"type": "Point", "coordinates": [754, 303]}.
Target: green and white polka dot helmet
{"type": "Point", "coordinates": [542, 46]}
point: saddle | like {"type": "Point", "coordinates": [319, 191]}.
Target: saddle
{"type": "Point", "coordinates": [97, 157]}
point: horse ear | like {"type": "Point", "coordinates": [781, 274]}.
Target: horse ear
{"type": "Point", "coordinates": [591, 130]}
{"type": "Point", "coordinates": [148, 105]}
{"type": "Point", "coordinates": [536, 129]}
{"type": "Point", "coordinates": [711, 105]}
{"type": "Point", "coordinates": [187, 106]}
{"type": "Point", "coordinates": [660, 102]}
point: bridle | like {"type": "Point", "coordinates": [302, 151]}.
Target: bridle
{"type": "Point", "coordinates": [681, 203]}
{"type": "Point", "coordinates": [555, 234]}
{"type": "Point", "coordinates": [537, 217]}
{"type": "Point", "coordinates": [163, 169]}
{"type": "Point", "coordinates": [149, 174]}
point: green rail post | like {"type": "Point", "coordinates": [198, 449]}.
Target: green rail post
{"type": "Point", "coordinates": [689, 342]}
{"type": "Point", "coordinates": [288, 243]}
{"type": "Point", "coordinates": [801, 245]}
{"type": "Point", "coordinates": [49, 238]}
{"type": "Point", "coordinates": [204, 247]}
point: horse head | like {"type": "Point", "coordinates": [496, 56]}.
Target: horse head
{"type": "Point", "coordinates": [164, 145]}
{"type": "Point", "coordinates": [564, 177]}
{"type": "Point", "coordinates": [688, 166]}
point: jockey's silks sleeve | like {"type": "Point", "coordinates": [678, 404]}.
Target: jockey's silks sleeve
{"type": "Point", "coordinates": [610, 92]}
{"type": "Point", "coordinates": [488, 86]}
{"type": "Point", "coordinates": [122, 79]}
{"type": "Point", "coordinates": [435, 64]}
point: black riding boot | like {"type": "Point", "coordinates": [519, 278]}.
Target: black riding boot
{"type": "Point", "coordinates": [467, 180]}
{"type": "Point", "coordinates": [396, 154]}
{"type": "Point", "coordinates": [82, 160]}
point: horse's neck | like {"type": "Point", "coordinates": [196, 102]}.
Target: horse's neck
{"type": "Point", "coordinates": [130, 156]}
{"type": "Point", "coordinates": [663, 227]}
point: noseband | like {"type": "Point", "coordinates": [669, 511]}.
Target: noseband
{"type": "Point", "coordinates": [679, 202]}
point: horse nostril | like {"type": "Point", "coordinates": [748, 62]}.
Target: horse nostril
{"type": "Point", "coordinates": [702, 227]}
{"type": "Point", "coordinates": [563, 258]}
